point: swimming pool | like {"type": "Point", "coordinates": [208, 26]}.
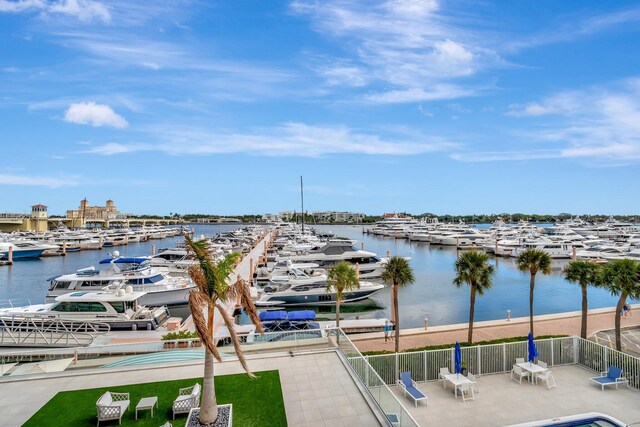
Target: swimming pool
{"type": "Point", "coordinates": [589, 419]}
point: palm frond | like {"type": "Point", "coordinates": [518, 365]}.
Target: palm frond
{"type": "Point", "coordinates": [228, 321]}
{"type": "Point", "coordinates": [247, 304]}
{"type": "Point", "coordinates": [198, 301]}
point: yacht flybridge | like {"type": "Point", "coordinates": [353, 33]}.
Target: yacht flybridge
{"type": "Point", "coordinates": [119, 308]}
{"type": "Point", "coordinates": [160, 289]}
{"type": "Point", "coordinates": [315, 293]}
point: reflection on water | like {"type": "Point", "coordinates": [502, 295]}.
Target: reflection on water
{"type": "Point", "coordinates": [432, 295]}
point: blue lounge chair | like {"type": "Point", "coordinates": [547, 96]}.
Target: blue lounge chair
{"type": "Point", "coordinates": [409, 386]}
{"type": "Point", "coordinates": [612, 377]}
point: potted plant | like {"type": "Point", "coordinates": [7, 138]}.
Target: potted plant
{"type": "Point", "coordinates": [169, 340]}
{"type": "Point", "coordinates": [464, 370]}
{"type": "Point", "coordinates": [196, 340]}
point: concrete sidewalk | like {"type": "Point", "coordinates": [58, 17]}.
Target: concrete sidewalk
{"type": "Point", "coordinates": [550, 324]}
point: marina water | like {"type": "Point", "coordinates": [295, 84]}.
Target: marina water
{"type": "Point", "coordinates": [433, 294]}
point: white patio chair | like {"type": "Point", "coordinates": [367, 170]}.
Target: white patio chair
{"type": "Point", "coordinates": [519, 373]}
{"type": "Point", "coordinates": [542, 364]}
{"type": "Point", "coordinates": [474, 381]}
{"type": "Point", "coordinates": [547, 377]}
{"type": "Point", "coordinates": [188, 398]}
{"type": "Point", "coordinates": [519, 359]}
{"type": "Point", "coordinates": [443, 372]}
{"type": "Point", "coordinates": [466, 389]}
{"type": "Point", "coordinates": [112, 406]}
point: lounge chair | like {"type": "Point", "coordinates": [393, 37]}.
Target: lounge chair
{"type": "Point", "coordinates": [612, 377]}
{"type": "Point", "coordinates": [547, 377]}
{"type": "Point", "coordinates": [443, 372]}
{"type": "Point", "coordinates": [474, 381]}
{"type": "Point", "coordinates": [519, 373]}
{"type": "Point", "coordinates": [466, 389]}
{"type": "Point", "coordinates": [409, 386]}
{"type": "Point", "coordinates": [542, 364]}
{"type": "Point", "coordinates": [188, 398]}
{"type": "Point", "coordinates": [112, 406]}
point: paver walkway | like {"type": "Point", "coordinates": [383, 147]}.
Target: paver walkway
{"type": "Point", "coordinates": [550, 324]}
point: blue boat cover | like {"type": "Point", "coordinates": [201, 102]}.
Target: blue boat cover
{"type": "Point", "coordinates": [270, 316]}
{"type": "Point", "coordinates": [132, 260]}
{"type": "Point", "coordinates": [302, 315]}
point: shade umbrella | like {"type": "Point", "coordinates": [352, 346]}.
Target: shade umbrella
{"type": "Point", "coordinates": [457, 354]}
{"type": "Point", "coordinates": [531, 347]}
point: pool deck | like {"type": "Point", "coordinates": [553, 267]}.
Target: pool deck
{"type": "Point", "coordinates": [502, 401]}
{"type": "Point", "coordinates": [316, 387]}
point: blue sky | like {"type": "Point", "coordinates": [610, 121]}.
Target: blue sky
{"type": "Point", "coordinates": [456, 107]}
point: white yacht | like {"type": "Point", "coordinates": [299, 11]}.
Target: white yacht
{"type": "Point", "coordinates": [315, 293]}
{"type": "Point", "coordinates": [31, 251]}
{"type": "Point", "coordinates": [159, 288]}
{"type": "Point", "coordinates": [334, 251]}
{"type": "Point", "coordinates": [120, 309]}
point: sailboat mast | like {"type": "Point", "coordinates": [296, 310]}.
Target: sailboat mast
{"type": "Point", "coordinates": [302, 202]}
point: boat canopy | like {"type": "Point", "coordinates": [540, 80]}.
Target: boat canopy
{"type": "Point", "coordinates": [132, 260]}
{"type": "Point", "coordinates": [270, 316]}
{"type": "Point", "coordinates": [302, 315]}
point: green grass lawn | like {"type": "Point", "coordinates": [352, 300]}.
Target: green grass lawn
{"type": "Point", "coordinates": [256, 402]}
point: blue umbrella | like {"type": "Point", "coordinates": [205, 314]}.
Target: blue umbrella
{"type": "Point", "coordinates": [458, 358]}
{"type": "Point", "coordinates": [533, 351]}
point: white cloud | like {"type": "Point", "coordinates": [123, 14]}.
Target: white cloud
{"type": "Point", "coordinates": [408, 45]}
{"type": "Point", "coordinates": [90, 113]}
{"type": "Point", "coordinates": [38, 181]}
{"type": "Point", "coordinates": [438, 92]}
{"type": "Point", "coordinates": [290, 139]}
{"type": "Point", "coordinates": [83, 10]}
{"type": "Point", "coordinates": [599, 123]}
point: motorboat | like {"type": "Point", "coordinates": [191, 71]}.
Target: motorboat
{"type": "Point", "coordinates": [160, 289]}
{"type": "Point", "coordinates": [17, 252]}
{"type": "Point", "coordinates": [119, 308]}
{"type": "Point", "coordinates": [316, 293]}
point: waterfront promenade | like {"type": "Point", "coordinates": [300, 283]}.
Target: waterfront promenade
{"type": "Point", "coordinates": [550, 324]}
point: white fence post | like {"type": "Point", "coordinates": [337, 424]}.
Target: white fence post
{"type": "Point", "coordinates": [575, 349]}
{"type": "Point", "coordinates": [606, 359]}
{"type": "Point", "coordinates": [479, 361]}
{"type": "Point", "coordinates": [397, 372]}
{"type": "Point", "coordinates": [504, 357]}
{"type": "Point", "coordinates": [552, 351]}
{"type": "Point", "coordinates": [424, 356]}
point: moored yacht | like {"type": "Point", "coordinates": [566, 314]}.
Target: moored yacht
{"type": "Point", "coordinates": [315, 293]}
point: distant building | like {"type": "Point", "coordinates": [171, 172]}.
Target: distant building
{"type": "Point", "coordinates": [87, 212]}
{"type": "Point", "coordinates": [342, 217]}
{"type": "Point", "coordinates": [37, 221]}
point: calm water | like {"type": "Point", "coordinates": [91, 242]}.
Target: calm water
{"type": "Point", "coordinates": [432, 295]}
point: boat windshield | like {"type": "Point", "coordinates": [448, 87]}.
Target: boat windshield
{"type": "Point", "coordinates": [78, 307]}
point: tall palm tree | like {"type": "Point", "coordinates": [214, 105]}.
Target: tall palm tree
{"type": "Point", "coordinates": [622, 278]}
{"type": "Point", "coordinates": [533, 261]}
{"type": "Point", "coordinates": [213, 292]}
{"type": "Point", "coordinates": [473, 269]}
{"type": "Point", "coordinates": [397, 271]}
{"type": "Point", "coordinates": [342, 278]}
{"type": "Point", "coordinates": [584, 273]}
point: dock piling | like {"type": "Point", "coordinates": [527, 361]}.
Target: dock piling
{"type": "Point", "coordinates": [10, 255]}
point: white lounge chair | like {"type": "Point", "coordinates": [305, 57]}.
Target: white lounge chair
{"type": "Point", "coordinates": [188, 398]}
{"type": "Point", "coordinates": [519, 373]}
{"type": "Point", "coordinates": [542, 364]}
{"type": "Point", "coordinates": [474, 381]}
{"type": "Point", "coordinates": [112, 406]}
{"type": "Point", "coordinates": [466, 389]}
{"type": "Point", "coordinates": [547, 377]}
{"type": "Point", "coordinates": [443, 372]}
{"type": "Point", "coordinates": [519, 359]}
{"type": "Point", "coordinates": [409, 386]}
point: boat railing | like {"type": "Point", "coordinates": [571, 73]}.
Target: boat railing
{"type": "Point", "coordinates": [14, 302]}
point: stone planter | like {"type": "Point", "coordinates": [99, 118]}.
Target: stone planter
{"type": "Point", "coordinates": [183, 344]}
{"type": "Point", "coordinates": [196, 343]}
{"type": "Point", "coordinates": [224, 417]}
{"type": "Point", "coordinates": [169, 344]}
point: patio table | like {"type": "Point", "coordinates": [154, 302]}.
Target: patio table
{"type": "Point", "coordinates": [532, 368]}
{"type": "Point", "coordinates": [456, 380]}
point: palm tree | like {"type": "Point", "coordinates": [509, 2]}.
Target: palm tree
{"type": "Point", "coordinates": [533, 261]}
{"type": "Point", "coordinates": [622, 278]}
{"type": "Point", "coordinates": [213, 292]}
{"type": "Point", "coordinates": [584, 273]}
{"type": "Point", "coordinates": [340, 278]}
{"type": "Point", "coordinates": [473, 269]}
{"type": "Point", "coordinates": [397, 271]}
